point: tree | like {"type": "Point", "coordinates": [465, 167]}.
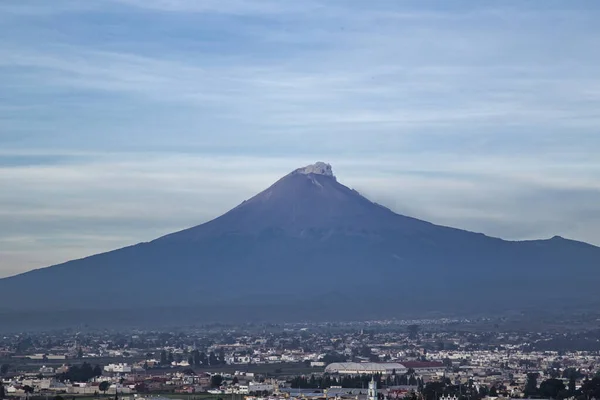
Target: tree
{"type": "Point", "coordinates": [170, 358]}
{"type": "Point", "coordinates": [572, 385]}
{"type": "Point", "coordinates": [203, 358]}
{"type": "Point", "coordinates": [222, 356]}
{"type": "Point", "coordinates": [483, 391]}
{"type": "Point", "coordinates": [4, 369]}
{"type": "Point", "coordinates": [551, 388]}
{"type": "Point", "coordinates": [235, 380]}
{"type": "Point", "coordinates": [572, 372]}
{"type": "Point", "coordinates": [2, 391]}
{"type": "Point", "coordinates": [531, 385]}
{"type": "Point", "coordinates": [365, 351]}
{"type": "Point", "coordinates": [433, 390]}
{"type": "Point", "coordinates": [28, 390]}
{"type": "Point", "coordinates": [216, 381]}
{"type": "Point", "coordinates": [163, 358]}
{"type": "Point", "coordinates": [97, 371]}
{"type": "Point", "coordinates": [103, 387]}
{"type": "Point", "coordinates": [413, 331]}
{"type": "Point", "coordinates": [81, 373]}
{"type": "Point", "coordinates": [212, 359]}
{"type": "Point", "coordinates": [196, 358]}
{"type": "Point", "coordinates": [591, 388]}
{"type": "Point", "coordinates": [80, 353]}
{"type": "Point", "coordinates": [24, 345]}
{"type": "Point", "coordinates": [493, 392]}
{"type": "Point", "coordinates": [331, 358]}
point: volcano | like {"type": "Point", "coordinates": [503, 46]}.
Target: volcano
{"type": "Point", "coordinates": [309, 247]}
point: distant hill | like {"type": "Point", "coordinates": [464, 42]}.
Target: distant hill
{"type": "Point", "coordinates": [309, 247]}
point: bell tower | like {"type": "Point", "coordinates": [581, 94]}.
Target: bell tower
{"type": "Point", "coordinates": [372, 390]}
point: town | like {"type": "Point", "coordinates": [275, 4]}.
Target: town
{"type": "Point", "coordinates": [419, 359]}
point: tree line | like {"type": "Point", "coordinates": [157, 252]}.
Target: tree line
{"type": "Point", "coordinates": [80, 373]}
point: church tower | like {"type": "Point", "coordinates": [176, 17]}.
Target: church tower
{"type": "Point", "coordinates": [372, 390]}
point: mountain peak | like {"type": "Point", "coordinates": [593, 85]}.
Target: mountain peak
{"type": "Point", "coordinates": [318, 168]}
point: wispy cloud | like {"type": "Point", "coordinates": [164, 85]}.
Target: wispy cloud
{"type": "Point", "coordinates": [484, 118]}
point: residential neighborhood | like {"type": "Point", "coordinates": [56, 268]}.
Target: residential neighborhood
{"type": "Point", "coordinates": [426, 359]}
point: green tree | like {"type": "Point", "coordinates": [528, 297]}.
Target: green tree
{"type": "Point", "coordinates": [222, 356]}
{"type": "Point", "coordinates": [196, 358]}
{"type": "Point", "coordinates": [203, 359]}
{"type": "Point", "coordinates": [365, 351]}
{"type": "Point", "coordinates": [493, 391]}
{"type": "Point", "coordinates": [531, 385]}
{"type": "Point", "coordinates": [433, 390]}
{"type": "Point", "coordinates": [212, 359]}
{"type": "Point", "coordinates": [216, 381]}
{"type": "Point", "coordinates": [104, 386]}
{"type": "Point", "coordinates": [551, 388]}
{"type": "Point", "coordinates": [569, 372]}
{"type": "Point", "coordinates": [591, 388]}
{"type": "Point", "coordinates": [163, 357]}
{"type": "Point", "coordinates": [572, 385]}
{"type": "Point", "coordinates": [413, 331]}
{"type": "Point", "coordinates": [79, 373]}
{"type": "Point", "coordinates": [28, 390]}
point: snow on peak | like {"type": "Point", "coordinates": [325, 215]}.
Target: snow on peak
{"type": "Point", "coordinates": [319, 168]}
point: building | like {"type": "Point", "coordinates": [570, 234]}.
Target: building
{"type": "Point", "coordinates": [372, 395]}
{"type": "Point", "coordinates": [254, 387]}
{"type": "Point", "coordinates": [424, 366]}
{"type": "Point", "coordinates": [47, 370]}
{"type": "Point", "coordinates": [367, 368]}
{"type": "Point", "coordinates": [118, 368]}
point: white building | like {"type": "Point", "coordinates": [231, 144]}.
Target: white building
{"type": "Point", "coordinates": [372, 394]}
{"type": "Point", "coordinates": [259, 387]}
{"type": "Point", "coordinates": [46, 370]}
{"type": "Point", "coordinates": [120, 368]}
{"type": "Point", "coordinates": [367, 368]}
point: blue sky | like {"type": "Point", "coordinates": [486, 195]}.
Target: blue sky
{"type": "Point", "coordinates": [122, 120]}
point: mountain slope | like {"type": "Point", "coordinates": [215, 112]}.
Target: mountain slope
{"type": "Point", "coordinates": [310, 243]}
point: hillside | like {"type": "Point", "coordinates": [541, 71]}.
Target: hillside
{"type": "Point", "coordinates": [310, 247]}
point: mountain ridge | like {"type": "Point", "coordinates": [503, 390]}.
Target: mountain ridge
{"type": "Point", "coordinates": [308, 232]}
